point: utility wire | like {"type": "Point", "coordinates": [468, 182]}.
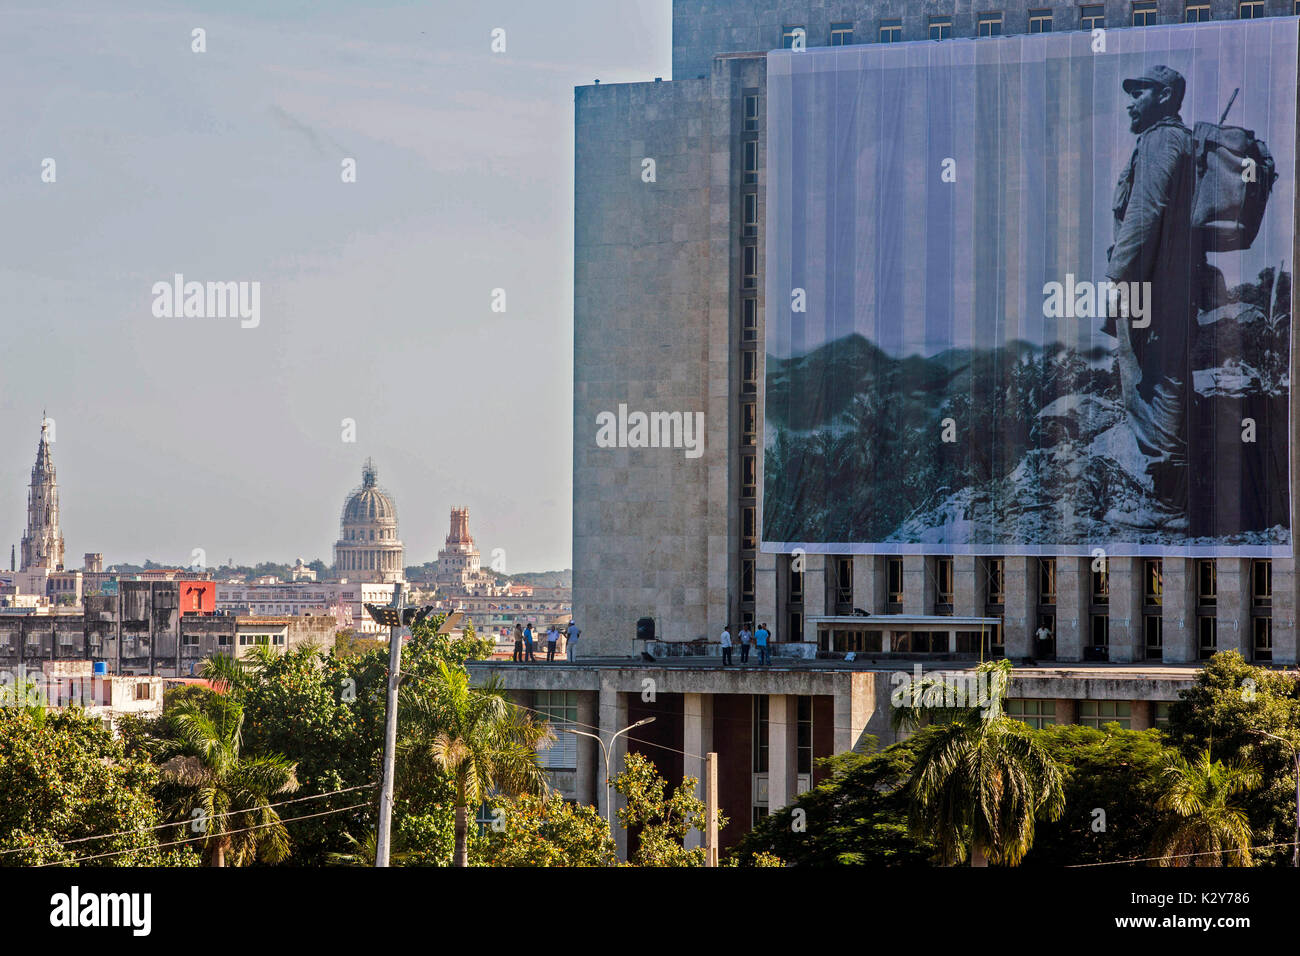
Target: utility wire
{"type": "Point", "coordinates": [1177, 856]}
{"type": "Point", "coordinates": [575, 723]}
{"type": "Point", "coordinates": [159, 846]}
{"type": "Point", "coordinates": [181, 823]}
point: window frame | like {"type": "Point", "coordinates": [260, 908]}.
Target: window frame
{"type": "Point", "coordinates": [943, 24]}
{"type": "Point", "coordinates": [994, 20]}
{"type": "Point", "coordinates": [750, 117]}
{"type": "Point", "coordinates": [1047, 592]}
{"type": "Point", "coordinates": [749, 475]}
{"type": "Point", "coordinates": [749, 319]}
{"type": "Point", "coordinates": [892, 595]}
{"type": "Point", "coordinates": [1148, 10]}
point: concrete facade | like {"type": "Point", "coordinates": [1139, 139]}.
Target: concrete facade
{"type": "Point", "coordinates": [769, 725]}
{"type": "Point", "coordinates": [670, 193]}
{"type": "Point", "coordinates": [668, 315]}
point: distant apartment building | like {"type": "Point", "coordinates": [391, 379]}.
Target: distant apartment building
{"type": "Point", "coordinates": [108, 697]}
{"type": "Point", "coordinates": [140, 630]}
{"type": "Point", "coordinates": [343, 601]}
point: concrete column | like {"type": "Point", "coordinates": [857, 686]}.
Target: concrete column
{"type": "Point", "coordinates": [765, 605]}
{"type": "Point", "coordinates": [782, 739]}
{"type": "Point", "coordinates": [589, 758]}
{"type": "Point", "coordinates": [1234, 632]}
{"type": "Point", "coordinates": [967, 593]}
{"type": "Point", "coordinates": [855, 704]}
{"type": "Point", "coordinates": [1141, 715]}
{"type": "Point", "coordinates": [1020, 582]}
{"type": "Point", "coordinates": [814, 594]}
{"type": "Point", "coordinates": [1067, 711]}
{"type": "Point", "coordinates": [1179, 610]}
{"type": "Point", "coordinates": [1125, 609]}
{"type": "Point", "coordinates": [869, 583]}
{"type": "Point", "coordinates": [697, 740]}
{"type": "Point", "coordinates": [1284, 605]}
{"type": "Point", "coordinates": [917, 598]}
{"type": "Point", "coordinates": [613, 718]}
{"type": "Point", "coordinates": [1071, 608]}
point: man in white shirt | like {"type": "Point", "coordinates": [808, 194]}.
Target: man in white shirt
{"type": "Point", "coordinates": [571, 635]}
{"type": "Point", "coordinates": [726, 645]}
{"type": "Point", "coordinates": [745, 638]}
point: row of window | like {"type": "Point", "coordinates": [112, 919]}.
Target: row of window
{"type": "Point", "coordinates": [1207, 588]}
{"type": "Point", "coordinates": [1207, 636]}
{"type": "Point", "coordinates": [1092, 713]}
{"type": "Point", "coordinates": [751, 118]}
{"type": "Point", "coordinates": [1092, 16]}
{"type": "Point", "coordinates": [993, 578]}
{"type": "Point", "coordinates": [993, 574]}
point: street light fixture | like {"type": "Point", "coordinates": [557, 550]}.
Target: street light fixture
{"type": "Point", "coordinates": [1295, 755]}
{"type": "Point", "coordinates": [393, 616]}
{"type": "Point", "coordinates": [609, 820]}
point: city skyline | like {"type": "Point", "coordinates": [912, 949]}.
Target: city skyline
{"type": "Point", "coordinates": [44, 470]}
{"type": "Point", "coordinates": [375, 295]}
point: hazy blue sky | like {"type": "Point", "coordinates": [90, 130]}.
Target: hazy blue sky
{"type": "Point", "coordinates": [175, 434]}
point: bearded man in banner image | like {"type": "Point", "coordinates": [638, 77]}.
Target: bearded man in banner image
{"type": "Point", "coordinates": [1156, 244]}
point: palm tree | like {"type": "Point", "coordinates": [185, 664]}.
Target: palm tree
{"type": "Point", "coordinates": [230, 793]}
{"type": "Point", "coordinates": [980, 781]}
{"type": "Point", "coordinates": [364, 851]}
{"type": "Point", "coordinates": [229, 674]}
{"type": "Point", "coordinates": [478, 737]}
{"type": "Point", "coordinates": [1205, 822]}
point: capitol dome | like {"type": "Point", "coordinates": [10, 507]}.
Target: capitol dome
{"type": "Point", "coordinates": [368, 548]}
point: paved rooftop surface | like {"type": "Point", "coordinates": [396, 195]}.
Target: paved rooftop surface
{"type": "Point", "coordinates": [1045, 669]}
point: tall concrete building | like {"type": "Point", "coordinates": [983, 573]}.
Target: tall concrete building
{"type": "Point", "coordinates": [670, 207]}
{"type": "Point", "coordinates": [42, 545]}
{"type": "Point", "coordinates": [670, 211]}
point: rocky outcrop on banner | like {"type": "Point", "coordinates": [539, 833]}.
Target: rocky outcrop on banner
{"type": "Point", "coordinates": [1040, 449]}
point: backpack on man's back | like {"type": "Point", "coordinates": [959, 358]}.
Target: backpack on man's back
{"type": "Point", "coordinates": [1235, 173]}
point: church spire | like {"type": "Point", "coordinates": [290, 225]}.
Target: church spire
{"type": "Point", "coordinates": [42, 545]}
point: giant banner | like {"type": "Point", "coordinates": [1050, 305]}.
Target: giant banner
{"type": "Point", "coordinates": [1032, 295]}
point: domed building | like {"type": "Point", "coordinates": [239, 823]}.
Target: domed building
{"type": "Point", "coordinates": [368, 548]}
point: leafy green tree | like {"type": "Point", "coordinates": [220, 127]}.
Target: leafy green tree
{"type": "Point", "coordinates": [1230, 710]}
{"type": "Point", "coordinates": [1112, 770]}
{"type": "Point", "coordinates": [229, 793]}
{"type": "Point", "coordinates": [63, 778]}
{"type": "Point", "coordinates": [661, 819]}
{"type": "Point", "coordinates": [305, 706]}
{"type": "Point", "coordinates": [856, 816]}
{"type": "Point", "coordinates": [533, 830]}
{"type": "Point", "coordinates": [1208, 828]}
{"type": "Point", "coordinates": [476, 736]}
{"type": "Point", "coordinates": [348, 643]}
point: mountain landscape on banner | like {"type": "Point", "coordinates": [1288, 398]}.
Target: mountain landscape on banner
{"type": "Point", "coordinates": [1039, 452]}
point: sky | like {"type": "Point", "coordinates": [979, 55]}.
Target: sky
{"type": "Point", "coordinates": [376, 296]}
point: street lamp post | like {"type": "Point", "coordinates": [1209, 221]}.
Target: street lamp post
{"type": "Point", "coordinates": [1295, 755]}
{"type": "Point", "coordinates": [609, 820]}
{"type": "Point", "coordinates": [394, 616]}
